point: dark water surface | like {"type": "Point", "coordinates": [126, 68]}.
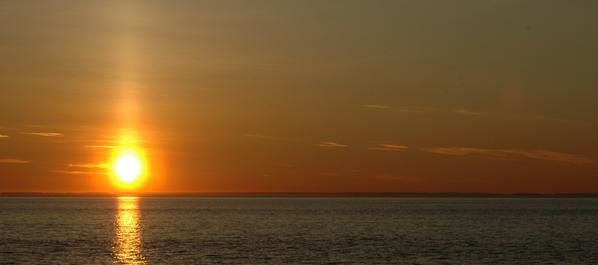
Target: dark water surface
{"type": "Point", "coordinates": [63, 230]}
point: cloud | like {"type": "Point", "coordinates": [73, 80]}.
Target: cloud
{"type": "Point", "coordinates": [556, 156]}
{"type": "Point", "coordinates": [376, 106]}
{"type": "Point", "coordinates": [101, 146]}
{"type": "Point", "coordinates": [545, 155]}
{"type": "Point", "coordinates": [331, 145]}
{"type": "Point", "coordinates": [551, 119]}
{"type": "Point", "coordinates": [456, 150]}
{"type": "Point", "coordinates": [3, 136]}
{"type": "Point", "coordinates": [470, 112]}
{"type": "Point", "coordinates": [83, 169]}
{"type": "Point", "coordinates": [88, 165]}
{"type": "Point", "coordinates": [518, 116]}
{"type": "Point", "coordinates": [390, 147]}
{"type": "Point", "coordinates": [13, 161]}
{"type": "Point", "coordinates": [46, 134]}
{"type": "Point", "coordinates": [415, 110]}
{"type": "Point", "coordinates": [404, 110]}
{"type": "Point", "coordinates": [77, 172]}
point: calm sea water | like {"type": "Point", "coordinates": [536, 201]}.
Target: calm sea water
{"type": "Point", "coordinates": [298, 231]}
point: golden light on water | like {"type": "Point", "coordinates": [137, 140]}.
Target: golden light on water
{"type": "Point", "coordinates": [127, 240]}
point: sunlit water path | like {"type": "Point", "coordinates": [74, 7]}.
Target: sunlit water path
{"type": "Point", "coordinates": [127, 240]}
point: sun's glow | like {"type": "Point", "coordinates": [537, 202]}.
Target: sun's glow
{"type": "Point", "coordinates": [128, 168]}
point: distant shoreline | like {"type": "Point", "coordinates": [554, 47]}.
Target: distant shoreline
{"type": "Point", "coordinates": [302, 195]}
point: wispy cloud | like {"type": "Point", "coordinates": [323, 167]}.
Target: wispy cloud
{"type": "Point", "coordinates": [518, 116]}
{"type": "Point", "coordinates": [101, 146]}
{"type": "Point", "coordinates": [457, 150]}
{"type": "Point", "coordinates": [399, 109]}
{"type": "Point", "coordinates": [83, 169]}
{"type": "Point", "coordinates": [415, 110]}
{"type": "Point", "coordinates": [546, 155]}
{"type": "Point", "coordinates": [376, 106]}
{"type": "Point", "coordinates": [390, 147]}
{"type": "Point", "coordinates": [557, 156]}
{"type": "Point", "coordinates": [45, 134]}
{"type": "Point", "coordinates": [3, 136]}
{"type": "Point", "coordinates": [77, 172]}
{"type": "Point", "coordinates": [88, 165]}
{"type": "Point", "coordinates": [552, 119]}
{"type": "Point", "coordinates": [331, 145]}
{"type": "Point", "coordinates": [13, 161]}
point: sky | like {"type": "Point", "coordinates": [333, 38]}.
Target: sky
{"type": "Point", "coordinates": [493, 96]}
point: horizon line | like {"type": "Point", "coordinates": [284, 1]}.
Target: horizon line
{"type": "Point", "coordinates": [303, 194]}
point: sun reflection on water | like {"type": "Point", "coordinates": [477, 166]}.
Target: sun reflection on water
{"type": "Point", "coordinates": [127, 241]}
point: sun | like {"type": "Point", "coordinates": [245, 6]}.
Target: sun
{"type": "Point", "coordinates": [128, 168]}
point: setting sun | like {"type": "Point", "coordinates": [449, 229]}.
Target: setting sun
{"type": "Point", "coordinates": [128, 168]}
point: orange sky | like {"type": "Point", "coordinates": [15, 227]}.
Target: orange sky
{"type": "Point", "coordinates": [304, 96]}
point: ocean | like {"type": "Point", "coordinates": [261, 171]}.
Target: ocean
{"type": "Point", "coordinates": [200, 230]}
